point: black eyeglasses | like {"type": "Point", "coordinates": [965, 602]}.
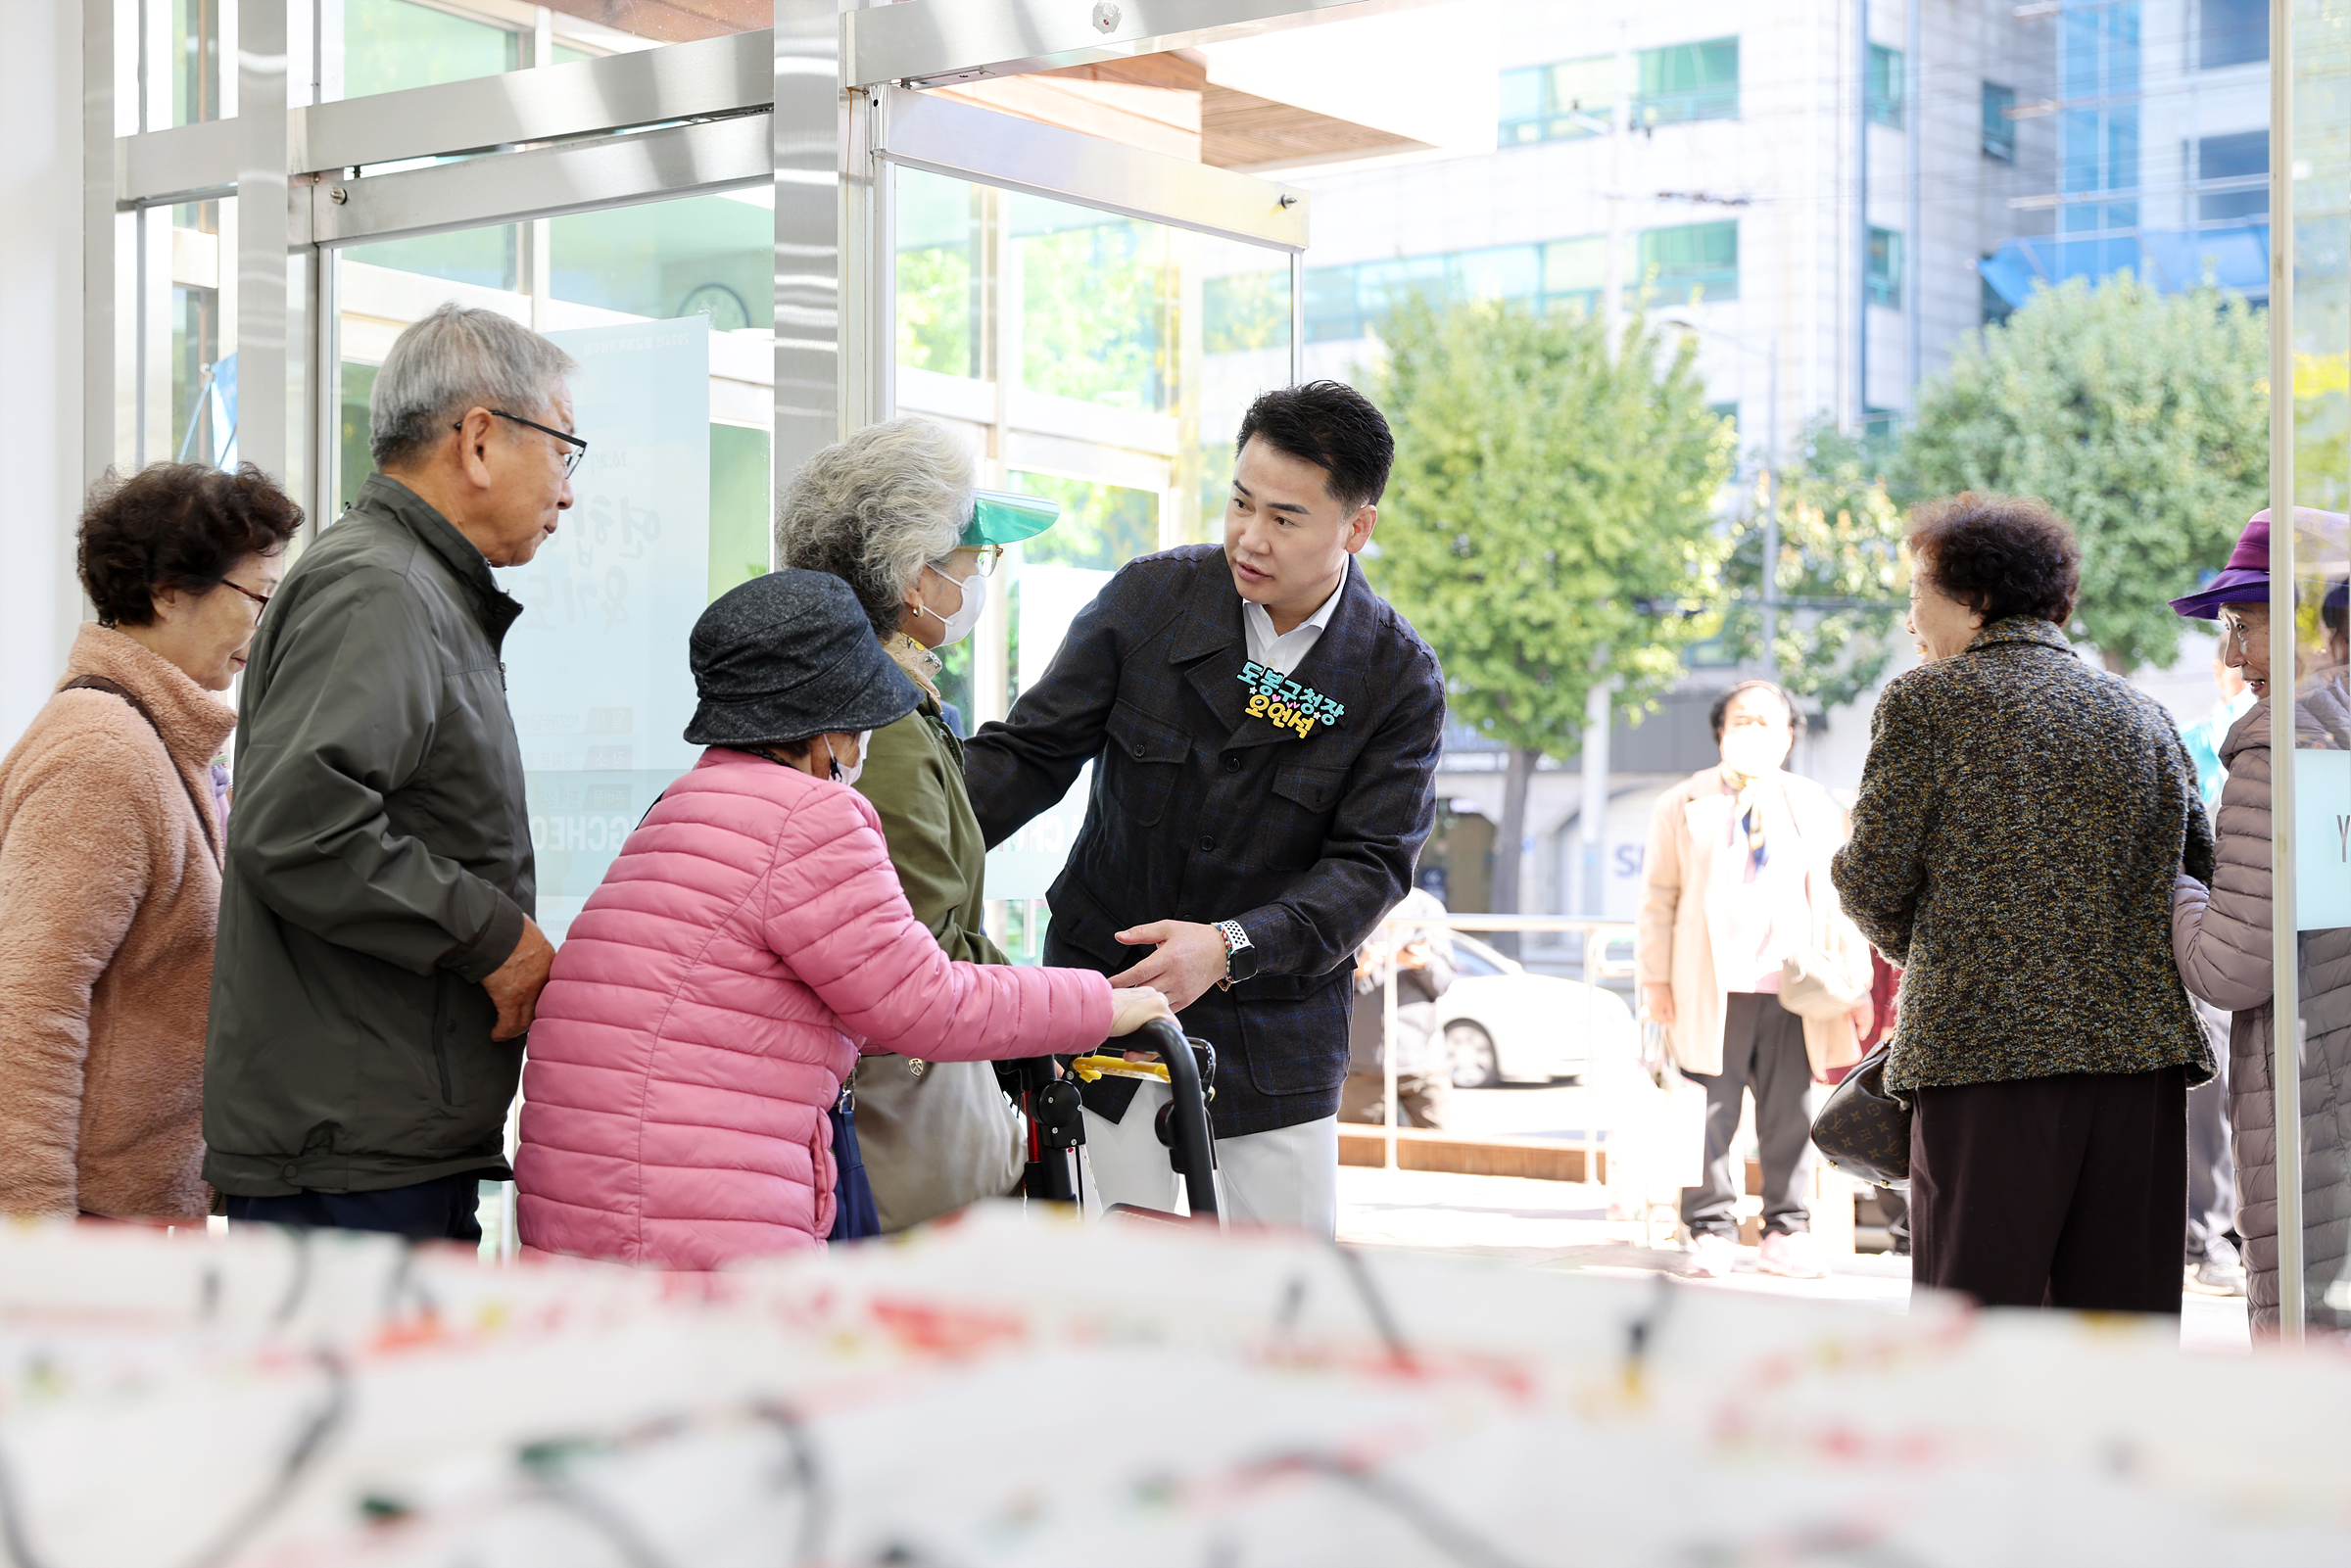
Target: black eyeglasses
{"type": "Point", "coordinates": [571, 458]}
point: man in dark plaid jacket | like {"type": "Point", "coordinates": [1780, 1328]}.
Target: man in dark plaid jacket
{"type": "Point", "coordinates": [1264, 730]}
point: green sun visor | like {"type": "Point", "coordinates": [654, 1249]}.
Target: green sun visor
{"type": "Point", "coordinates": [999, 518]}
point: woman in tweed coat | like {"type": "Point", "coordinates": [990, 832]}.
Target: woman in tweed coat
{"type": "Point", "coordinates": [2021, 822]}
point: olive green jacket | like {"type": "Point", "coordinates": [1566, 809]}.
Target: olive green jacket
{"type": "Point", "coordinates": [935, 1136]}
{"type": "Point", "coordinates": [379, 869]}
{"type": "Point", "coordinates": [913, 777]}
{"type": "Point", "coordinates": [2022, 819]}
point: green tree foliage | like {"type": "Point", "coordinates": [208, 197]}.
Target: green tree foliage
{"type": "Point", "coordinates": [2142, 419]}
{"type": "Point", "coordinates": [1549, 522]}
{"type": "Point", "coordinates": [1840, 576]}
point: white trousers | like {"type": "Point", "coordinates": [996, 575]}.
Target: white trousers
{"type": "Point", "coordinates": [1288, 1177]}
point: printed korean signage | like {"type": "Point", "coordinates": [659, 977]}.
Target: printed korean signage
{"type": "Point", "coordinates": [596, 669]}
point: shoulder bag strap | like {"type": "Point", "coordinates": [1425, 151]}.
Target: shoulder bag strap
{"type": "Point", "coordinates": [207, 816]}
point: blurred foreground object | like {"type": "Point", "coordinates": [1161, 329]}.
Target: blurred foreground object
{"type": "Point", "coordinates": [338, 1399]}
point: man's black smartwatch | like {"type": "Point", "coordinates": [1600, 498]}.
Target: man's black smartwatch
{"type": "Point", "coordinates": [1240, 959]}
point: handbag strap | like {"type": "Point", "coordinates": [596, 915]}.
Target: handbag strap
{"type": "Point", "coordinates": [205, 819]}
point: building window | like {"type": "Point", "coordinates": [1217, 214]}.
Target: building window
{"type": "Point", "coordinates": [1996, 305]}
{"type": "Point", "coordinates": [2242, 161]}
{"type": "Point", "coordinates": [1884, 268]}
{"type": "Point", "coordinates": [1574, 272]}
{"type": "Point", "coordinates": [2232, 33]}
{"type": "Point", "coordinates": [1885, 87]}
{"type": "Point", "coordinates": [1688, 81]}
{"type": "Point", "coordinates": [1560, 102]}
{"type": "Point", "coordinates": [1692, 259]}
{"type": "Point", "coordinates": [1999, 123]}
{"type": "Point", "coordinates": [1345, 303]}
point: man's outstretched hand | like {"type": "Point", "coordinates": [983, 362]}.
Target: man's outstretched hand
{"type": "Point", "coordinates": [1186, 959]}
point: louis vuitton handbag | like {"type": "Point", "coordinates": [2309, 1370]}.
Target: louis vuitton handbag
{"type": "Point", "coordinates": [1864, 1132]}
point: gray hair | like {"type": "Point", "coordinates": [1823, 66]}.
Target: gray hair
{"type": "Point", "coordinates": [456, 357]}
{"type": "Point", "coordinates": [875, 509]}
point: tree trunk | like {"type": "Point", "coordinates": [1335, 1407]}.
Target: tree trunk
{"type": "Point", "coordinates": [2115, 663]}
{"type": "Point", "coordinates": [1508, 837]}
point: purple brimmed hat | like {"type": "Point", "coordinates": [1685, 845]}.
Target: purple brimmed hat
{"type": "Point", "coordinates": [2245, 579]}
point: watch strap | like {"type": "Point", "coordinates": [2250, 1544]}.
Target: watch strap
{"type": "Point", "coordinates": [1236, 941]}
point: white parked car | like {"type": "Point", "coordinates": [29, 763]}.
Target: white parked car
{"type": "Point", "coordinates": [1503, 1024]}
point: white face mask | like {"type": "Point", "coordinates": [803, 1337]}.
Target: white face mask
{"type": "Point", "coordinates": [855, 770]}
{"type": "Point", "coordinates": [958, 626]}
{"type": "Point", "coordinates": [1752, 752]}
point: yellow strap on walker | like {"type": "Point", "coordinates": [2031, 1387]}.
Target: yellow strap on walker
{"type": "Point", "coordinates": [1091, 1067]}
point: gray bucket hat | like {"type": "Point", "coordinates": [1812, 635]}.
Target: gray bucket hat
{"type": "Point", "coordinates": [787, 656]}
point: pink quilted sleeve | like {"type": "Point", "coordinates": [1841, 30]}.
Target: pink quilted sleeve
{"type": "Point", "coordinates": [836, 915]}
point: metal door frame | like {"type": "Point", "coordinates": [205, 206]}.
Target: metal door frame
{"type": "Point", "coordinates": [827, 84]}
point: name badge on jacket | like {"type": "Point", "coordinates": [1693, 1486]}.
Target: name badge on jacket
{"type": "Point", "coordinates": [1285, 704]}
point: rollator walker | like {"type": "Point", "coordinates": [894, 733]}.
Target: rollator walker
{"type": "Point", "coordinates": [1057, 1127]}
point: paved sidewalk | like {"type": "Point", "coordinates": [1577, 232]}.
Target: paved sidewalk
{"type": "Point", "coordinates": [1565, 1225]}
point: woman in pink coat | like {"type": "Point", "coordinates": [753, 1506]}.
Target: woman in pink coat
{"type": "Point", "coordinates": [750, 939]}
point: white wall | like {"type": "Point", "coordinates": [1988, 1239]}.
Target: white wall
{"type": "Point", "coordinates": [40, 371]}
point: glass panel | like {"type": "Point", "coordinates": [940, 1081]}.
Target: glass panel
{"type": "Point", "coordinates": [1886, 268]}
{"type": "Point", "coordinates": [487, 258]}
{"type": "Point", "coordinates": [1999, 127]}
{"type": "Point", "coordinates": [2231, 33]}
{"type": "Point", "coordinates": [1558, 101]}
{"type": "Point", "coordinates": [1885, 85]}
{"type": "Point", "coordinates": [1698, 261]}
{"type": "Point", "coordinates": [670, 508]}
{"type": "Point", "coordinates": [2320, 372]}
{"type": "Point", "coordinates": [1688, 81]}
{"type": "Point", "coordinates": [2242, 163]}
{"type": "Point", "coordinates": [373, 46]}
{"type": "Point", "coordinates": [203, 389]}
{"type": "Point", "coordinates": [197, 59]}
{"type": "Point", "coordinates": [391, 44]}
{"type": "Point", "coordinates": [1101, 361]}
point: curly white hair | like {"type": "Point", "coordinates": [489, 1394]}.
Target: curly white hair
{"type": "Point", "coordinates": [875, 509]}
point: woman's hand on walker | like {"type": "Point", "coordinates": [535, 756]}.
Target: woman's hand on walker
{"type": "Point", "coordinates": [1133, 1007]}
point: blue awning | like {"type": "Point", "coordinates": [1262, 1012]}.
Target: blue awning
{"type": "Point", "coordinates": [2174, 261]}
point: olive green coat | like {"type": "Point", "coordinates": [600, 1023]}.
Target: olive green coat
{"type": "Point", "coordinates": [2022, 819]}
{"type": "Point", "coordinates": [913, 777]}
{"type": "Point", "coordinates": [935, 1136]}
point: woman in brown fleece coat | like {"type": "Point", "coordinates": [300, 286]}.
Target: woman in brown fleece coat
{"type": "Point", "coordinates": [110, 849]}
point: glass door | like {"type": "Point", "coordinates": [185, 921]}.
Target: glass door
{"type": "Point", "coordinates": [1095, 358]}
{"type": "Point", "coordinates": [666, 307]}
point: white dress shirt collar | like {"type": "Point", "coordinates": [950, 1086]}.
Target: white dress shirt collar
{"type": "Point", "coordinates": [1284, 652]}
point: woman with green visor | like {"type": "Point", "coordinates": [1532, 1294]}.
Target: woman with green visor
{"type": "Point", "coordinates": [892, 512]}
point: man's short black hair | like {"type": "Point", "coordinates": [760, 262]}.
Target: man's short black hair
{"type": "Point", "coordinates": [1722, 706]}
{"type": "Point", "coordinates": [1335, 427]}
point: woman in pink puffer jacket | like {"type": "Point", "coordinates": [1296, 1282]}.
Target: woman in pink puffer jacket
{"type": "Point", "coordinates": [749, 940]}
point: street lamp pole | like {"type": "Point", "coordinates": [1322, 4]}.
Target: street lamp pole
{"type": "Point", "coordinates": [1769, 596]}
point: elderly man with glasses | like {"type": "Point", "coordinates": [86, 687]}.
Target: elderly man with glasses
{"type": "Point", "coordinates": [378, 962]}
